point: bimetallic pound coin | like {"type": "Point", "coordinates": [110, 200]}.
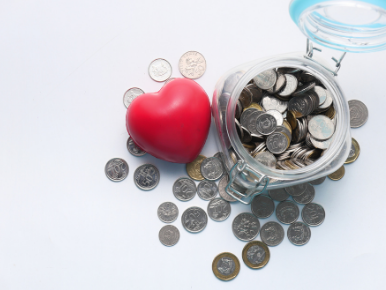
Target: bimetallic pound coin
{"type": "Point", "coordinates": [337, 175]}
{"type": "Point", "coordinates": [133, 148]}
{"type": "Point", "coordinates": [211, 168]}
{"type": "Point", "coordinates": [262, 206]}
{"type": "Point", "coordinates": [321, 127]}
{"type": "Point", "coordinates": [266, 79]}
{"type": "Point", "coordinates": [318, 181]}
{"type": "Point", "coordinates": [355, 150]}
{"type": "Point", "coordinates": [218, 209]}
{"type": "Point", "coordinates": [194, 219]}
{"type": "Point", "coordinates": [116, 169]}
{"type": "Point", "coordinates": [265, 124]}
{"type": "Point", "coordinates": [313, 214]}
{"type": "Point", "coordinates": [207, 190]}
{"type": "Point", "coordinates": [256, 254]}
{"type": "Point", "coordinates": [184, 189]}
{"type": "Point", "coordinates": [307, 196]}
{"type": "Point", "coordinates": [192, 65]}
{"type": "Point", "coordinates": [245, 226]}
{"type": "Point", "coordinates": [146, 177]}
{"type": "Point", "coordinates": [277, 143]}
{"type": "Point", "coordinates": [287, 212]}
{"type": "Point", "coordinates": [296, 190]}
{"type": "Point", "coordinates": [160, 70]}
{"type": "Point", "coordinates": [130, 95]}
{"type": "Point", "coordinates": [226, 266]}
{"type": "Point", "coordinates": [272, 233]}
{"type": "Point", "coordinates": [167, 212]}
{"type": "Point", "coordinates": [279, 194]}
{"type": "Point", "coordinates": [299, 233]}
{"type": "Point", "coordinates": [194, 168]}
{"type": "Point", "coordinates": [358, 113]}
{"type": "Point", "coordinates": [169, 235]}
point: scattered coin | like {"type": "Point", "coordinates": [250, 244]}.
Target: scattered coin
{"type": "Point", "coordinates": [146, 177]}
{"type": "Point", "coordinates": [279, 194]}
{"type": "Point", "coordinates": [160, 70]}
{"type": "Point", "coordinates": [299, 233]}
{"type": "Point", "coordinates": [184, 189]}
{"type": "Point", "coordinates": [318, 181]}
{"type": "Point", "coordinates": [313, 214]}
{"type": "Point", "coordinates": [194, 219]}
{"type": "Point", "coordinates": [287, 212]}
{"type": "Point", "coordinates": [358, 113]}
{"type": "Point", "coordinates": [169, 235]}
{"type": "Point", "coordinates": [130, 95]}
{"type": "Point", "coordinates": [221, 189]}
{"type": "Point", "coordinates": [307, 196]}
{"type": "Point", "coordinates": [296, 190]}
{"type": "Point", "coordinates": [219, 209]}
{"type": "Point", "coordinates": [207, 190]}
{"type": "Point", "coordinates": [246, 226]}
{"type": "Point", "coordinates": [192, 65]}
{"type": "Point", "coordinates": [194, 168]}
{"type": "Point", "coordinates": [167, 212]}
{"type": "Point", "coordinates": [272, 233]}
{"type": "Point", "coordinates": [256, 254]}
{"type": "Point", "coordinates": [354, 152]}
{"type": "Point", "coordinates": [266, 79]}
{"type": "Point", "coordinates": [337, 175]}
{"type": "Point", "coordinates": [116, 169]}
{"type": "Point", "coordinates": [226, 266]}
{"type": "Point", "coordinates": [211, 168]}
{"type": "Point", "coordinates": [133, 148]}
{"type": "Point", "coordinates": [262, 206]}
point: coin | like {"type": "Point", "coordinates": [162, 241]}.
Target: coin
{"type": "Point", "coordinates": [278, 194]}
{"type": "Point", "coordinates": [296, 190]}
{"type": "Point", "coordinates": [160, 70]}
{"type": "Point", "coordinates": [272, 233]}
{"type": "Point", "coordinates": [256, 255]}
{"type": "Point", "coordinates": [321, 127]}
{"type": "Point", "coordinates": [290, 86]}
{"type": "Point", "coordinates": [194, 219]}
{"type": "Point", "coordinates": [321, 144]}
{"type": "Point", "coordinates": [116, 169]}
{"type": "Point", "coordinates": [221, 188]}
{"type": "Point", "coordinates": [194, 168]}
{"type": "Point", "coordinates": [318, 181]}
{"type": "Point", "coordinates": [245, 97]}
{"type": "Point", "coordinates": [250, 120]}
{"type": "Point", "coordinates": [304, 88]}
{"type": "Point", "coordinates": [279, 85]}
{"type": "Point", "coordinates": [130, 95]}
{"type": "Point", "coordinates": [358, 113]}
{"type": "Point", "coordinates": [337, 175]}
{"type": "Point", "coordinates": [262, 206]}
{"type": "Point", "coordinates": [354, 152]}
{"type": "Point", "coordinates": [167, 212]}
{"type": "Point", "coordinates": [272, 103]}
{"type": "Point", "coordinates": [266, 79]}
{"type": "Point", "coordinates": [218, 209]}
{"type": "Point", "coordinates": [322, 94]}
{"type": "Point", "coordinates": [192, 65]}
{"type": "Point", "coordinates": [146, 177]}
{"type": "Point", "coordinates": [169, 235]}
{"type": "Point", "coordinates": [207, 190]}
{"type": "Point", "coordinates": [291, 118]}
{"type": "Point", "coordinates": [287, 212]}
{"type": "Point", "coordinates": [211, 168]}
{"type": "Point", "coordinates": [277, 143]}
{"type": "Point", "coordinates": [133, 148]}
{"type": "Point", "coordinates": [265, 124]}
{"type": "Point", "coordinates": [245, 226]}
{"type": "Point", "coordinates": [226, 266]}
{"type": "Point", "coordinates": [313, 214]}
{"type": "Point", "coordinates": [184, 189]}
{"type": "Point", "coordinates": [266, 159]}
{"type": "Point", "coordinates": [299, 233]}
{"type": "Point", "coordinates": [307, 196]}
{"type": "Point", "coordinates": [278, 116]}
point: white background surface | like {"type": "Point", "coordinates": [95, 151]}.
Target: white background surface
{"type": "Point", "coordinates": [64, 66]}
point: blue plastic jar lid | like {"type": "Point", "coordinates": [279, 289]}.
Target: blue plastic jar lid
{"type": "Point", "coordinates": [346, 25]}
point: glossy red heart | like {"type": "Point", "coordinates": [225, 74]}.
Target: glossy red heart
{"type": "Point", "coordinates": [172, 124]}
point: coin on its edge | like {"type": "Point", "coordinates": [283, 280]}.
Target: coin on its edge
{"type": "Point", "coordinates": [230, 276]}
{"type": "Point", "coordinates": [245, 255]}
{"type": "Point", "coordinates": [337, 175]}
{"type": "Point", "coordinates": [194, 168]}
{"type": "Point", "coordinates": [357, 150]}
{"type": "Point", "coordinates": [192, 65]}
{"type": "Point", "coordinates": [169, 235]}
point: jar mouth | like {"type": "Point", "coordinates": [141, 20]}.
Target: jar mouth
{"type": "Point", "coordinates": [339, 101]}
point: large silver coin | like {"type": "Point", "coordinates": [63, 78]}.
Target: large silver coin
{"type": "Point", "coordinates": [116, 169]}
{"type": "Point", "coordinates": [167, 212]}
{"type": "Point", "coordinates": [307, 196]}
{"type": "Point", "coordinates": [300, 105]}
{"type": "Point", "coordinates": [296, 190]}
{"type": "Point", "coordinates": [130, 95]}
{"type": "Point", "coordinates": [278, 116]}
{"type": "Point", "coordinates": [211, 168]}
{"type": "Point", "coordinates": [277, 143]}
{"type": "Point", "coordinates": [221, 189]}
{"type": "Point", "coordinates": [245, 115]}
{"type": "Point", "coordinates": [246, 226]}
{"type": "Point", "coordinates": [318, 181]}
{"type": "Point", "coordinates": [194, 219]}
{"type": "Point", "coordinates": [321, 144]}
{"type": "Point", "coordinates": [279, 85]}
{"type": "Point", "coordinates": [146, 177]}
{"type": "Point", "coordinates": [322, 94]}
{"type": "Point", "coordinates": [207, 190]}
{"type": "Point", "coordinates": [192, 65]}
{"type": "Point", "coordinates": [262, 206]}
{"type": "Point", "coordinates": [321, 127]}
{"type": "Point", "coordinates": [287, 212]}
{"type": "Point", "coordinates": [265, 124]}
{"type": "Point", "coordinates": [272, 103]}
{"type": "Point", "coordinates": [133, 148]}
{"type": "Point", "coordinates": [299, 233]}
{"type": "Point", "coordinates": [184, 189]}
{"type": "Point", "coordinates": [358, 113]}
{"type": "Point", "coordinates": [328, 102]}
{"type": "Point", "coordinates": [266, 79]}
{"type": "Point", "coordinates": [169, 235]}
{"type": "Point", "coordinates": [267, 159]}
{"type": "Point", "coordinates": [272, 233]}
{"type": "Point", "coordinates": [304, 88]}
{"type": "Point", "coordinates": [313, 214]}
{"type": "Point", "coordinates": [219, 209]}
{"type": "Point", "coordinates": [250, 122]}
{"type": "Point", "coordinates": [160, 70]}
{"type": "Point", "coordinates": [290, 86]}
{"type": "Point", "coordinates": [278, 194]}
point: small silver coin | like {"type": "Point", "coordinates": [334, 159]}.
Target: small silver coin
{"type": "Point", "coordinates": [169, 235]}
{"type": "Point", "coordinates": [277, 143]}
{"type": "Point", "coordinates": [265, 124]}
{"type": "Point", "coordinates": [246, 226]}
{"type": "Point", "coordinates": [266, 79]}
{"type": "Point", "coordinates": [160, 70]}
{"type": "Point", "coordinates": [322, 94]}
{"type": "Point", "coordinates": [296, 190]}
{"type": "Point", "coordinates": [133, 148]}
{"type": "Point", "coordinates": [245, 115]}
{"type": "Point", "coordinates": [146, 177]}
{"type": "Point", "coordinates": [278, 116]}
{"type": "Point", "coordinates": [167, 212]}
{"type": "Point", "coordinates": [251, 120]}
{"type": "Point", "coordinates": [321, 144]}
{"type": "Point", "coordinates": [219, 210]}
{"type": "Point", "coordinates": [221, 189]}
{"type": "Point", "coordinates": [299, 233]}
{"type": "Point", "coordinates": [313, 214]}
{"type": "Point", "coordinates": [192, 65]}
{"type": "Point", "coordinates": [358, 113]}
{"type": "Point", "coordinates": [245, 97]}
{"type": "Point", "coordinates": [130, 95]}
{"type": "Point", "coordinates": [307, 196]}
{"type": "Point", "coordinates": [262, 206]}
{"type": "Point", "coordinates": [304, 88]}
{"type": "Point", "coordinates": [278, 194]}
{"type": "Point", "coordinates": [287, 212]}
{"type": "Point", "coordinates": [318, 181]}
{"type": "Point", "coordinates": [272, 103]}
{"type": "Point", "coordinates": [207, 190]}
{"type": "Point", "coordinates": [301, 105]}
{"type": "Point", "coordinates": [116, 169]}
{"type": "Point", "coordinates": [267, 159]}
{"type": "Point", "coordinates": [321, 127]}
{"type": "Point", "coordinates": [327, 103]}
{"type": "Point", "coordinates": [194, 219]}
{"type": "Point", "coordinates": [211, 168]}
{"type": "Point", "coordinates": [272, 233]}
{"type": "Point", "coordinates": [279, 85]}
{"type": "Point", "coordinates": [184, 189]}
{"type": "Point", "coordinates": [290, 86]}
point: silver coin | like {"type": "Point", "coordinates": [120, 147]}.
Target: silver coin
{"type": "Point", "coordinates": [130, 95]}
{"type": "Point", "coordinates": [321, 144]}
{"type": "Point", "coordinates": [299, 233]}
{"type": "Point", "coordinates": [358, 113]}
{"type": "Point", "coordinates": [133, 148]}
{"type": "Point", "coordinates": [219, 209]}
{"type": "Point", "coordinates": [313, 214]}
{"type": "Point", "coordinates": [296, 190]}
{"type": "Point", "coordinates": [239, 109]}
{"type": "Point", "coordinates": [194, 219]}
{"type": "Point", "coordinates": [318, 181]}
{"type": "Point", "coordinates": [278, 116]}
{"type": "Point", "coordinates": [146, 177]}
{"type": "Point", "coordinates": [272, 233]}
{"type": "Point", "coordinates": [322, 94]}
{"type": "Point", "coordinates": [307, 196]}
{"type": "Point", "coordinates": [245, 97]}
{"type": "Point", "coordinates": [251, 120]}
{"type": "Point", "coordinates": [267, 159]}
{"type": "Point", "coordinates": [192, 65]}
{"type": "Point", "coordinates": [321, 127]}
{"type": "Point", "coordinates": [221, 189]}
{"type": "Point", "coordinates": [167, 212]}
{"type": "Point", "coordinates": [211, 168]}
{"type": "Point", "coordinates": [278, 194]}
{"type": "Point", "coordinates": [265, 124]}
{"type": "Point", "coordinates": [245, 115]}
{"type": "Point", "coordinates": [287, 212]}
{"type": "Point", "coordinates": [290, 86]}
{"type": "Point", "coordinates": [262, 206]}
{"type": "Point", "coordinates": [169, 235]}
{"type": "Point", "coordinates": [277, 143]}
{"type": "Point", "coordinates": [184, 189]}
{"type": "Point", "coordinates": [266, 79]}
{"type": "Point", "coordinates": [328, 102]}
{"type": "Point", "coordinates": [116, 169]}
{"type": "Point", "coordinates": [207, 190]}
{"type": "Point", "coordinates": [160, 70]}
{"type": "Point", "coordinates": [302, 105]}
{"type": "Point", "coordinates": [271, 103]}
{"type": "Point", "coordinates": [279, 85]}
{"type": "Point", "coordinates": [246, 226]}
{"type": "Point", "coordinates": [304, 88]}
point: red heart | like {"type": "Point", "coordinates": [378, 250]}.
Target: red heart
{"type": "Point", "coordinates": [172, 124]}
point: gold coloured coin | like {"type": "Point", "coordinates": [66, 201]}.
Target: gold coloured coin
{"type": "Point", "coordinates": [288, 126]}
{"type": "Point", "coordinates": [337, 175]}
{"type": "Point", "coordinates": [256, 254]}
{"type": "Point", "coordinates": [330, 112]}
{"type": "Point", "coordinates": [354, 152]}
{"type": "Point", "coordinates": [194, 168]}
{"type": "Point", "coordinates": [255, 106]}
{"type": "Point", "coordinates": [291, 118]}
{"type": "Point", "coordinates": [226, 266]}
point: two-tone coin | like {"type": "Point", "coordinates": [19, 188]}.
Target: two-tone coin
{"type": "Point", "coordinates": [337, 175]}
{"type": "Point", "coordinates": [272, 233]}
{"type": "Point", "coordinates": [246, 226]}
{"type": "Point", "coordinates": [256, 254]}
{"type": "Point", "coordinates": [146, 177]}
{"type": "Point", "coordinates": [184, 189]}
{"type": "Point", "coordinates": [116, 169]}
{"type": "Point", "coordinates": [169, 235]}
{"type": "Point", "coordinates": [226, 266]}
{"type": "Point", "coordinates": [299, 233]}
{"type": "Point", "coordinates": [194, 219]}
{"type": "Point", "coordinates": [355, 150]}
{"type": "Point", "coordinates": [133, 148]}
{"type": "Point", "coordinates": [313, 214]}
{"type": "Point", "coordinates": [218, 209]}
{"type": "Point", "coordinates": [167, 212]}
